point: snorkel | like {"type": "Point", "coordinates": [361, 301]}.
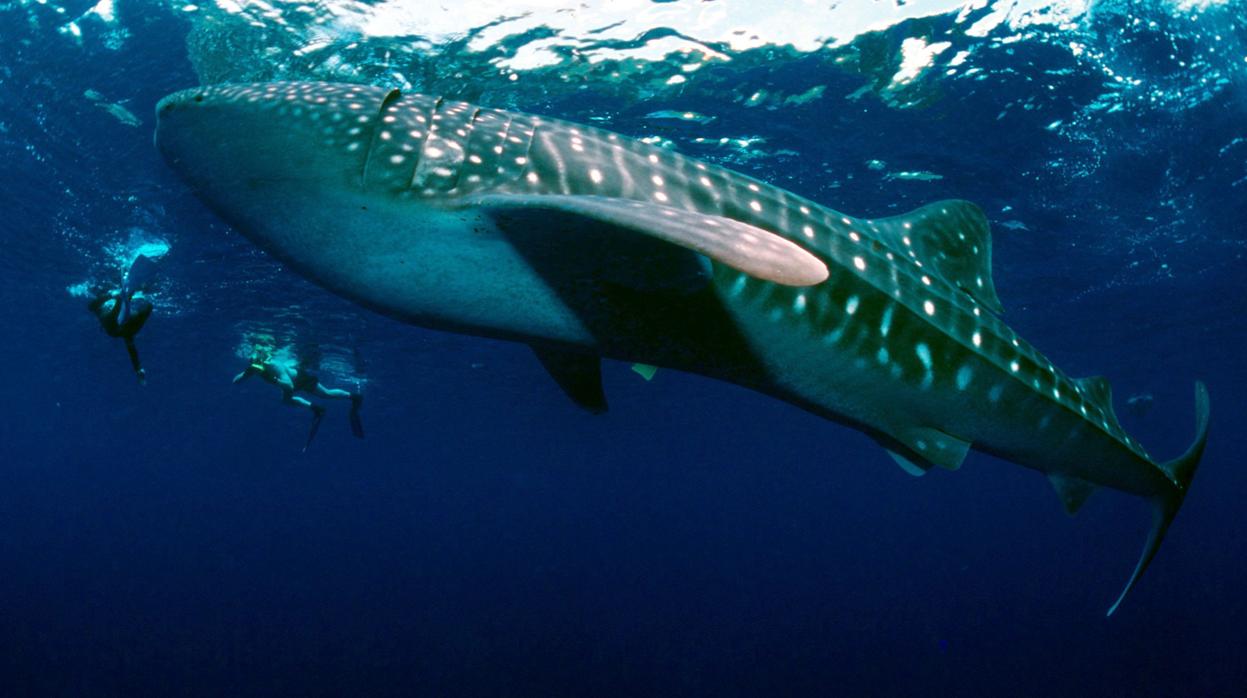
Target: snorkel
{"type": "Point", "coordinates": [259, 357]}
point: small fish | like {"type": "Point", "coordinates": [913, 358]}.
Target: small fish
{"type": "Point", "coordinates": [670, 114]}
{"type": "Point", "coordinates": [116, 109]}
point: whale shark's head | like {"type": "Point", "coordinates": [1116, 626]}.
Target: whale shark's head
{"type": "Point", "coordinates": [254, 136]}
{"type": "Point", "coordinates": [284, 163]}
{"type": "Point", "coordinates": [320, 176]}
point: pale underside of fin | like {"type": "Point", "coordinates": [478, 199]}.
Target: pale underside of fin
{"type": "Point", "coordinates": [743, 247]}
{"type": "Point", "coordinates": [916, 469]}
{"type": "Point", "coordinates": [1073, 491]}
{"type": "Point", "coordinates": [951, 239]}
{"type": "Point", "coordinates": [578, 373]}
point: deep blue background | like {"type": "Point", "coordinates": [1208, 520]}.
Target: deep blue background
{"type": "Point", "coordinates": [488, 538]}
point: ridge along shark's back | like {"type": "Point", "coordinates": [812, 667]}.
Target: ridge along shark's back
{"type": "Point", "coordinates": [584, 244]}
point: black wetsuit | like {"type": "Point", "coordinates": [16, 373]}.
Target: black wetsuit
{"type": "Point", "coordinates": [305, 381]}
{"type": "Point", "coordinates": [107, 308]}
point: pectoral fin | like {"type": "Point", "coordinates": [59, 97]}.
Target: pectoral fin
{"type": "Point", "coordinates": [744, 247]}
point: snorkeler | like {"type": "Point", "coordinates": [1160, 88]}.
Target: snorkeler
{"type": "Point", "coordinates": [122, 312]}
{"type": "Point", "coordinates": [292, 378]}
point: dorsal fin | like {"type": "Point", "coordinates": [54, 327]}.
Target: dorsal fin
{"type": "Point", "coordinates": [1096, 388]}
{"type": "Point", "coordinates": [951, 239]}
{"type": "Point", "coordinates": [1098, 392]}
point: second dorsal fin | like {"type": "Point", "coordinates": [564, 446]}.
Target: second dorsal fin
{"type": "Point", "coordinates": [1097, 391]}
{"type": "Point", "coordinates": [951, 239]}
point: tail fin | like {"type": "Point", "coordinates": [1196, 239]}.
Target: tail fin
{"type": "Point", "coordinates": [1181, 471]}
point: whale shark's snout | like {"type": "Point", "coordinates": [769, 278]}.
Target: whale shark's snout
{"type": "Point", "coordinates": [167, 120]}
{"type": "Point", "coordinates": [229, 134]}
{"type": "Point", "coordinates": [281, 162]}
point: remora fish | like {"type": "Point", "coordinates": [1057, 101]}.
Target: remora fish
{"type": "Point", "coordinates": [584, 244]}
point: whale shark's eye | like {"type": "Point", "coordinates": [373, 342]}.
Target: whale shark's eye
{"type": "Point", "coordinates": [199, 98]}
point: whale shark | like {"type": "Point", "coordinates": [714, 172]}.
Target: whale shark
{"type": "Point", "coordinates": [585, 244]}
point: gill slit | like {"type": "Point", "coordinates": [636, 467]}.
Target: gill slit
{"type": "Point", "coordinates": [427, 134]}
{"type": "Point", "coordinates": [389, 99]}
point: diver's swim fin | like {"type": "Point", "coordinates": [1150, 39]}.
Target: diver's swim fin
{"type": "Point", "coordinates": [123, 312]}
{"type": "Point", "coordinates": [318, 413]}
{"type": "Point", "coordinates": [357, 426]}
{"type": "Point", "coordinates": [140, 273]}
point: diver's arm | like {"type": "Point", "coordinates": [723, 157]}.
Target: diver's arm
{"type": "Point", "coordinates": [247, 373]}
{"type": "Point", "coordinates": [99, 297]}
{"type": "Point", "coordinates": [283, 380]}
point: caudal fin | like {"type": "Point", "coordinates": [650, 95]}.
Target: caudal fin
{"type": "Point", "coordinates": [1181, 471]}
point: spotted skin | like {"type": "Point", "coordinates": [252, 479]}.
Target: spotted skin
{"type": "Point", "coordinates": [496, 223]}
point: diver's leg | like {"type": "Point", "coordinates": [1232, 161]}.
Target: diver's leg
{"type": "Point", "coordinates": [332, 393]}
{"type": "Point", "coordinates": [140, 310]}
{"type": "Point", "coordinates": [289, 398]}
{"type": "Point", "coordinates": [134, 360]}
{"type": "Point", "coordinates": [357, 427]}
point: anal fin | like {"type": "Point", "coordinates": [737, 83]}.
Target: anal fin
{"type": "Point", "coordinates": [1073, 491]}
{"type": "Point", "coordinates": [578, 373]}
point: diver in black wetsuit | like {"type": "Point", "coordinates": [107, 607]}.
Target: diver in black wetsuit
{"type": "Point", "coordinates": [122, 312]}
{"type": "Point", "coordinates": [293, 378]}
{"type": "Point", "coordinates": [108, 307]}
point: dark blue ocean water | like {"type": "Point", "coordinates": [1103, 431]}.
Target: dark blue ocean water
{"type": "Point", "coordinates": [489, 539]}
